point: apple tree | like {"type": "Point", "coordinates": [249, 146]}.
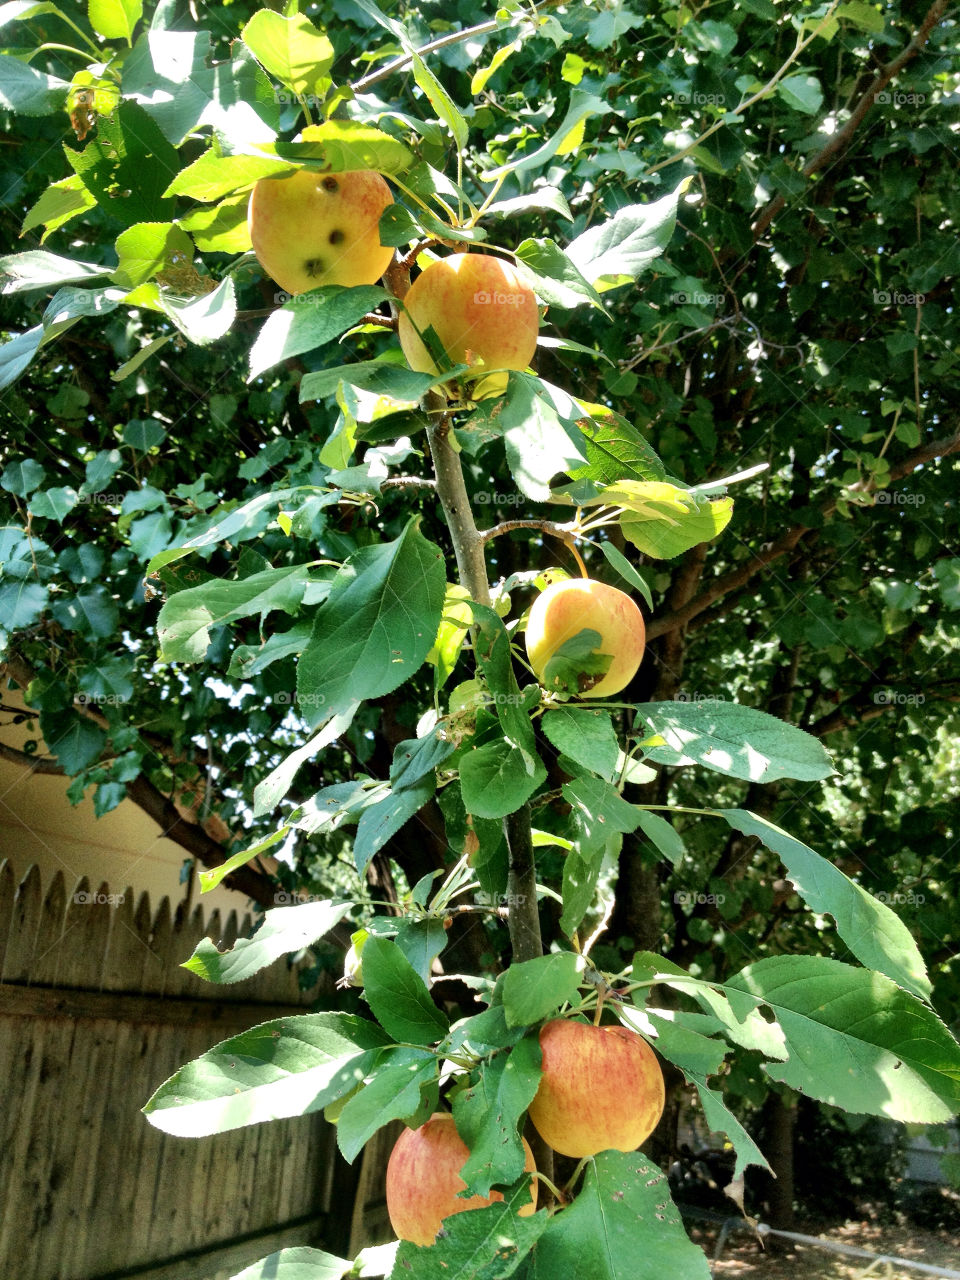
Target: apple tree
{"type": "Point", "coordinates": [523, 801]}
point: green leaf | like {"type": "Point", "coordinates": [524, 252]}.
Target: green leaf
{"type": "Point", "coordinates": [720, 1119]}
{"type": "Point", "coordinates": [115, 19]}
{"type": "Point", "coordinates": [342, 145]}
{"type": "Point", "coordinates": [415, 758]}
{"type": "Point", "coordinates": [441, 101]}
{"type": "Point", "coordinates": [622, 1196]}
{"type": "Point", "coordinates": [488, 1112]}
{"type": "Point", "coordinates": [663, 836]}
{"type": "Point", "coordinates": [283, 930]}
{"type": "Point", "coordinates": [146, 249]}
{"type": "Point", "coordinates": [618, 561]}
{"type": "Point", "coordinates": [495, 779]}
{"type": "Point", "coordinates": [288, 1067]}
{"type": "Point", "coordinates": [381, 821]}
{"type": "Point", "coordinates": [213, 176]}
{"type": "Point", "coordinates": [376, 627]}
{"type": "Point", "coordinates": [601, 809]}
{"type": "Point", "coordinates": [876, 935]}
{"type": "Point", "coordinates": [127, 166]}
{"type": "Point", "coordinates": [74, 739]}
{"type": "Point", "coordinates": [616, 450]}
{"type": "Point", "coordinates": [586, 736]}
{"type": "Point", "coordinates": [802, 92]}
{"type": "Point", "coordinates": [202, 319]}
{"type": "Point", "coordinates": [398, 995]}
{"type": "Point", "coordinates": [484, 1244]}
{"type": "Point", "coordinates": [539, 433]}
{"type": "Point", "coordinates": [211, 878]}
{"type": "Point", "coordinates": [268, 793]}
{"type": "Point", "coordinates": [663, 520]}
{"type": "Point", "coordinates": [864, 16]}
{"type": "Point", "coordinates": [292, 49]}
{"type": "Point", "coordinates": [855, 1039]}
{"type": "Point", "coordinates": [619, 250]}
{"type": "Point", "coordinates": [421, 941]}
{"type": "Point", "coordinates": [480, 78]}
{"type": "Point", "coordinates": [552, 274]}
{"type": "Point", "coordinates": [53, 504]}
{"type": "Point", "coordinates": [297, 1264]}
{"type": "Point", "coordinates": [144, 434]}
{"type": "Point", "coordinates": [392, 1094]}
{"type": "Point", "coordinates": [60, 202]}
{"type": "Point", "coordinates": [28, 92]}
{"type": "Point", "coordinates": [381, 376]}
{"type": "Point", "coordinates": [22, 478]}
{"type": "Point", "coordinates": [21, 604]}
{"type": "Point", "coordinates": [310, 321]}
{"type": "Point", "coordinates": [183, 627]}
{"type": "Point", "coordinates": [534, 989]}
{"type": "Point", "coordinates": [91, 612]}
{"type": "Point", "coordinates": [222, 228]}
{"type": "Point", "coordinates": [550, 198]}
{"type": "Point", "coordinates": [581, 108]}
{"type": "Point", "coordinates": [38, 269]}
{"type": "Point", "coordinates": [738, 741]}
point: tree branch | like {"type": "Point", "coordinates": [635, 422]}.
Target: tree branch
{"type": "Point", "coordinates": [842, 138]}
{"type": "Point", "coordinates": [738, 577]}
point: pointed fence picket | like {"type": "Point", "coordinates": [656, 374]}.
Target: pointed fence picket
{"type": "Point", "coordinates": [96, 1012]}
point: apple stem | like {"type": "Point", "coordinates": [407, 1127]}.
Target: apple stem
{"type": "Point", "coordinates": [568, 1186]}
{"type": "Point", "coordinates": [557, 1194]}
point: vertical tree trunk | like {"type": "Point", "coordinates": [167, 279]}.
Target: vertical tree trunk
{"type": "Point", "coordinates": [779, 1116]}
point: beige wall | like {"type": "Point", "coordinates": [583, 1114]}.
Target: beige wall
{"type": "Point", "coordinates": [125, 848]}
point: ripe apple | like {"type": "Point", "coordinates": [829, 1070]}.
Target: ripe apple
{"type": "Point", "coordinates": [580, 604]}
{"type": "Point", "coordinates": [601, 1089]}
{"type": "Point", "coordinates": [309, 228]}
{"type": "Point", "coordinates": [481, 312]}
{"type": "Point", "coordinates": [423, 1180]}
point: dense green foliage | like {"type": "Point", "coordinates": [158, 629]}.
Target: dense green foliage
{"type": "Point", "coordinates": [771, 291]}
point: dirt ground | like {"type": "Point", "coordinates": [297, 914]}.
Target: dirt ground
{"type": "Point", "coordinates": [742, 1258]}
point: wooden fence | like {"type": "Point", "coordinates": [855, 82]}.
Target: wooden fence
{"type": "Point", "coordinates": [95, 1013]}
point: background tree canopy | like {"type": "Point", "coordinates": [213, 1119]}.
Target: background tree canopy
{"type": "Point", "coordinates": [800, 315]}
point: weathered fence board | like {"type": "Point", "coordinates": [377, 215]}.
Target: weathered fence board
{"type": "Point", "coordinates": [96, 1012]}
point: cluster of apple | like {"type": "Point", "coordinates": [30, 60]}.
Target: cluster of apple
{"type": "Point", "coordinates": [483, 315]}
{"type": "Point", "coordinates": [601, 1089]}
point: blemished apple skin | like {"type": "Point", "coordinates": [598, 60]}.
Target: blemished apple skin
{"type": "Point", "coordinates": [423, 1180]}
{"type": "Point", "coordinates": [480, 310]}
{"type": "Point", "coordinates": [601, 1089]}
{"type": "Point", "coordinates": [581, 604]}
{"type": "Point", "coordinates": [310, 229]}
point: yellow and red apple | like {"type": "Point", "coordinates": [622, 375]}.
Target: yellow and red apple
{"type": "Point", "coordinates": [423, 1180]}
{"type": "Point", "coordinates": [601, 1089]}
{"type": "Point", "coordinates": [310, 229]}
{"type": "Point", "coordinates": [481, 312]}
{"type": "Point", "coordinates": [565, 609]}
